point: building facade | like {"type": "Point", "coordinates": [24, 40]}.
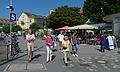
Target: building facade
{"type": "Point", "coordinates": [26, 19]}
{"type": "Point", "coordinates": [104, 26]}
{"type": "Point", "coordinates": [116, 26]}
{"type": "Point", "coordinates": [115, 20]}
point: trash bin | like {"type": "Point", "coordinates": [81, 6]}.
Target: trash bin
{"type": "Point", "coordinates": [3, 52]}
{"type": "Point", "coordinates": [3, 49]}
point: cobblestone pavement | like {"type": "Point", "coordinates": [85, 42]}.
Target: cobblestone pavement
{"type": "Point", "coordinates": [102, 63]}
{"type": "Point", "coordinates": [89, 60]}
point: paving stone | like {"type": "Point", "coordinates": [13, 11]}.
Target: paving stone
{"type": "Point", "coordinates": [101, 62]}
{"type": "Point", "coordinates": [90, 69]}
{"type": "Point", "coordinates": [36, 66]}
{"type": "Point", "coordinates": [106, 67]}
{"type": "Point", "coordinates": [95, 66]}
{"type": "Point", "coordinates": [116, 66]}
{"type": "Point", "coordinates": [15, 67]}
{"type": "Point", "coordinates": [69, 66]}
{"type": "Point", "coordinates": [112, 64]}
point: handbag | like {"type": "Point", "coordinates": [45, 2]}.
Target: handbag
{"type": "Point", "coordinates": [64, 48]}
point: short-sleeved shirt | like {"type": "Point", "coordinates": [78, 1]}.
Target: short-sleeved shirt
{"type": "Point", "coordinates": [74, 39]}
{"type": "Point", "coordinates": [60, 37]}
{"type": "Point", "coordinates": [30, 37]}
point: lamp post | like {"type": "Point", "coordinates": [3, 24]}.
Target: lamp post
{"type": "Point", "coordinates": [12, 18]}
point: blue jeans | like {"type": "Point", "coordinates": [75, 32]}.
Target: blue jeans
{"type": "Point", "coordinates": [74, 48]}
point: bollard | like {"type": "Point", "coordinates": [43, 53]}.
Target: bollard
{"type": "Point", "coordinates": [7, 52]}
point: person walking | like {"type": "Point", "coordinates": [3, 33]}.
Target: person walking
{"type": "Point", "coordinates": [110, 42]}
{"type": "Point", "coordinates": [53, 36]}
{"type": "Point", "coordinates": [49, 45]}
{"type": "Point", "coordinates": [30, 37]}
{"type": "Point", "coordinates": [103, 43]}
{"type": "Point", "coordinates": [66, 49]}
{"type": "Point", "coordinates": [114, 40]}
{"type": "Point", "coordinates": [74, 42]}
{"type": "Point", "coordinates": [60, 39]}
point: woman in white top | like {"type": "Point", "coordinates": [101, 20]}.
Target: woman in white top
{"type": "Point", "coordinates": [60, 39]}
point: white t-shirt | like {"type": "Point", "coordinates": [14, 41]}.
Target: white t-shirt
{"type": "Point", "coordinates": [61, 37]}
{"type": "Point", "coordinates": [110, 40]}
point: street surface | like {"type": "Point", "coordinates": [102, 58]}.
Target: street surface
{"type": "Point", "coordinates": [89, 60]}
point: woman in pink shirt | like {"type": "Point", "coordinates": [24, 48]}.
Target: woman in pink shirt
{"type": "Point", "coordinates": [49, 45]}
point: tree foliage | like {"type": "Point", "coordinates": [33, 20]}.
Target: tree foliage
{"type": "Point", "coordinates": [6, 28]}
{"type": "Point", "coordinates": [97, 9]}
{"type": "Point", "coordinates": [34, 27]}
{"type": "Point", "coordinates": [65, 16]}
{"type": "Point", "coordinates": [16, 28]}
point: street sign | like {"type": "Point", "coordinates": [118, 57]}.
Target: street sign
{"type": "Point", "coordinates": [12, 17]}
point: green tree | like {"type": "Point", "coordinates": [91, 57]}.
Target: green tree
{"type": "Point", "coordinates": [16, 28]}
{"type": "Point", "coordinates": [6, 28]}
{"type": "Point", "coordinates": [34, 27]}
{"type": "Point", "coordinates": [97, 9]}
{"type": "Point", "coordinates": [65, 16]}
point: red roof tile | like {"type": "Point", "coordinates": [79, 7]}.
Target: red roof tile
{"type": "Point", "coordinates": [6, 21]}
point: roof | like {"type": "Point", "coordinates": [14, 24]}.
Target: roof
{"type": "Point", "coordinates": [109, 18]}
{"type": "Point", "coordinates": [85, 26]}
{"type": "Point", "coordinates": [34, 15]}
{"type": "Point", "coordinates": [4, 20]}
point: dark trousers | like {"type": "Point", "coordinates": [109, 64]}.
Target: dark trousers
{"type": "Point", "coordinates": [74, 48]}
{"type": "Point", "coordinates": [102, 48]}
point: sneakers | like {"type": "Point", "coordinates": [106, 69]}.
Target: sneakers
{"type": "Point", "coordinates": [29, 61]}
{"type": "Point", "coordinates": [73, 55]}
{"type": "Point", "coordinates": [48, 61]}
{"type": "Point", "coordinates": [76, 55]}
{"type": "Point", "coordinates": [66, 64]}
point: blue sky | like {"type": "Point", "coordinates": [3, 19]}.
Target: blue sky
{"type": "Point", "coordinates": [41, 7]}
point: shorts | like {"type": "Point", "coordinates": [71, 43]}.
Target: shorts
{"type": "Point", "coordinates": [60, 43]}
{"type": "Point", "coordinates": [30, 47]}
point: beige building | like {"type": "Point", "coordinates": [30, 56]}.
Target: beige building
{"type": "Point", "coordinates": [26, 19]}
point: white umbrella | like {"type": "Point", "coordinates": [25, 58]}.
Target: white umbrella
{"type": "Point", "coordinates": [85, 26]}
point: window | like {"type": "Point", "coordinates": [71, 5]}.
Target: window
{"type": "Point", "coordinates": [22, 23]}
{"type": "Point", "coordinates": [30, 20]}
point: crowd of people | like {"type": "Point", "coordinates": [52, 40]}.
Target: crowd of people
{"type": "Point", "coordinates": [68, 43]}
{"type": "Point", "coordinates": [64, 45]}
{"type": "Point", "coordinates": [106, 41]}
{"type": "Point", "coordinates": [50, 42]}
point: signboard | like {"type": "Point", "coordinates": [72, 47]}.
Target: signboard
{"type": "Point", "coordinates": [12, 17]}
